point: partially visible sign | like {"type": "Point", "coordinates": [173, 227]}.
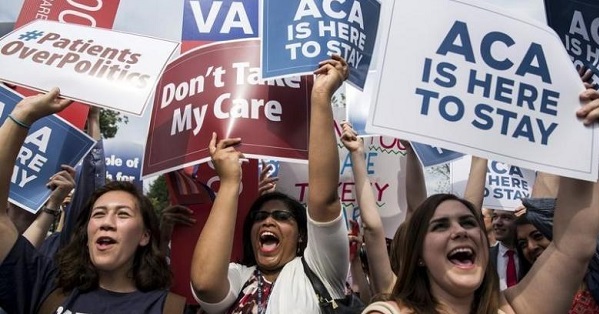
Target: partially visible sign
{"type": "Point", "coordinates": [51, 142]}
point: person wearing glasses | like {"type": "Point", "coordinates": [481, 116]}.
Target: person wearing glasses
{"type": "Point", "coordinates": [277, 233]}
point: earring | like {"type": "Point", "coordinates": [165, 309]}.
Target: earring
{"type": "Point", "coordinates": [420, 263]}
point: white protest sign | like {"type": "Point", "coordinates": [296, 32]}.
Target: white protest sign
{"type": "Point", "coordinates": [385, 166]}
{"type": "Point", "coordinates": [505, 185]}
{"type": "Point", "coordinates": [91, 65]}
{"type": "Point", "coordinates": [474, 80]}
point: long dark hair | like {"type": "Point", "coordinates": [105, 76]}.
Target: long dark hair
{"type": "Point", "coordinates": [150, 270]}
{"type": "Point", "coordinates": [299, 213]}
{"type": "Point", "coordinates": [412, 288]}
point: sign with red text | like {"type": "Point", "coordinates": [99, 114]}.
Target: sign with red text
{"type": "Point", "coordinates": [216, 88]}
{"type": "Point", "coordinates": [385, 167]}
{"type": "Point", "coordinates": [96, 13]}
{"type": "Point", "coordinates": [505, 185]}
{"type": "Point", "coordinates": [92, 65]}
{"type": "Point", "coordinates": [477, 80]}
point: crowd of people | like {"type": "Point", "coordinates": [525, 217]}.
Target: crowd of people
{"type": "Point", "coordinates": [450, 255]}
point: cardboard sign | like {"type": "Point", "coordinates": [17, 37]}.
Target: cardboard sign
{"type": "Point", "coordinates": [92, 65]}
{"type": "Point", "coordinates": [575, 22]}
{"type": "Point", "coordinates": [431, 155]}
{"type": "Point", "coordinates": [384, 165]}
{"type": "Point", "coordinates": [504, 187]}
{"type": "Point", "coordinates": [478, 81]}
{"type": "Point", "coordinates": [215, 88]}
{"type": "Point", "coordinates": [123, 160]}
{"type": "Point", "coordinates": [51, 142]}
{"type": "Point", "coordinates": [297, 35]}
{"type": "Point", "coordinates": [90, 13]}
{"type": "Point", "coordinates": [208, 21]}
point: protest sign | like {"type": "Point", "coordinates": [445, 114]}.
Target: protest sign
{"type": "Point", "coordinates": [184, 238]}
{"type": "Point", "coordinates": [94, 13]}
{"type": "Point", "coordinates": [576, 22]}
{"type": "Point", "coordinates": [505, 185]}
{"type": "Point", "coordinates": [92, 65]}
{"type": "Point", "coordinates": [431, 155]}
{"type": "Point", "coordinates": [215, 88]}
{"type": "Point", "coordinates": [295, 39]}
{"type": "Point", "coordinates": [207, 21]}
{"type": "Point", "coordinates": [51, 142]}
{"type": "Point", "coordinates": [123, 160]}
{"type": "Point", "coordinates": [482, 82]}
{"type": "Point", "coordinates": [385, 166]}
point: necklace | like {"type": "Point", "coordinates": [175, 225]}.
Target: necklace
{"type": "Point", "coordinates": [262, 303]}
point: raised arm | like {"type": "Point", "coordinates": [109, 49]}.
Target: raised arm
{"type": "Point", "coordinates": [91, 176]}
{"type": "Point", "coordinates": [12, 135]}
{"type": "Point", "coordinates": [209, 265]}
{"type": "Point", "coordinates": [546, 185]}
{"type": "Point", "coordinates": [61, 184]}
{"type": "Point", "coordinates": [560, 269]}
{"type": "Point", "coordinates": [475, 187]}
{"type": "Point", "coordinates": [323, 156]}
{"type": "Point", "coordinates": [415, 183]}
{"type": "Point", "coordinates": [381, 275]}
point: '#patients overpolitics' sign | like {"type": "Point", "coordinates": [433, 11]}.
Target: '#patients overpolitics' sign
{"type": "Point", "coordinates": [92, 65]}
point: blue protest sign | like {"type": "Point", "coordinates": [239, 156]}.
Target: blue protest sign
{"type": "Point", "coordinates": [123, 161]}
{"type": "Point", "coordinates": [297, 35]}
{"type": "Point", "coordinates": [208, 20]}
{"type": "Point", "coordinates": [50, 143]}
{"type": "Point", "coordinates": [575, 21]}
{"type": "Point", "coordinates": [431, 155]}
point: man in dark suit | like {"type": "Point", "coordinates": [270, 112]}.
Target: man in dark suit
{"type": "Point", "coordinates": [504, 256]}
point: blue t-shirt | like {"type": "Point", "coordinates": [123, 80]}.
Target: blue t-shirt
{"type": "Point", "coordinates": [27, 278]}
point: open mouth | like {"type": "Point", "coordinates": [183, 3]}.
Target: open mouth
{"type": "Point", "coordinates": [104, 242]}
{"type": "Point", "coordinates": [462, 257]}
{"type": "Point", "coordinates": [268, 241]}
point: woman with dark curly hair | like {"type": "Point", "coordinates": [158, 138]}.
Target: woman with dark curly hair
{"type": "Point", "coordinates": [113, 263]}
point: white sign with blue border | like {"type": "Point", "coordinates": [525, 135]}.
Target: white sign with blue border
{"type": "Point", "coordinates": [297, 35]}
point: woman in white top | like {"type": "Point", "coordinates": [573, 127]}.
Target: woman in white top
{"type": "Point", "coordinates": [272, 279]}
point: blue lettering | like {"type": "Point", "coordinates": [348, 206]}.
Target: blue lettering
{"type": "Point", "coordinates": [485, 49]}
{"type": "Point", "coordinates": [535, 52]}
{"type": "Point", "coordinates": [459, 31]}
{"type": "Point", "coordinates": [481, 111]}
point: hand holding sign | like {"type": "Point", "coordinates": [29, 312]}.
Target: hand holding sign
{"type": "Point", "coordinates": [330, 75]}
{"type": "Point", "coordinates": [267, 183]}
{"type": "Point", "coordinates": [589, 112]}
{"type": "Point", "coordinates": [33, 108]}
{"type": "Point", "coordinates": [226, 158]}
{"type": "Point", "coordinates": [350, 139]}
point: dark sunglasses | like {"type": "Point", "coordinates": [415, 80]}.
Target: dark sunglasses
{"type": "Point", "coordinates": [278, 215]}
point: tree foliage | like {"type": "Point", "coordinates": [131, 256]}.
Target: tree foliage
{"type": "Point", "coordinates": [109, 120]}
{"type": "Point", "coordinates": [158, 193]}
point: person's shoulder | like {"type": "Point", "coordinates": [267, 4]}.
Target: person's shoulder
{"type": "Point", "coordinates": [386, 307]}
